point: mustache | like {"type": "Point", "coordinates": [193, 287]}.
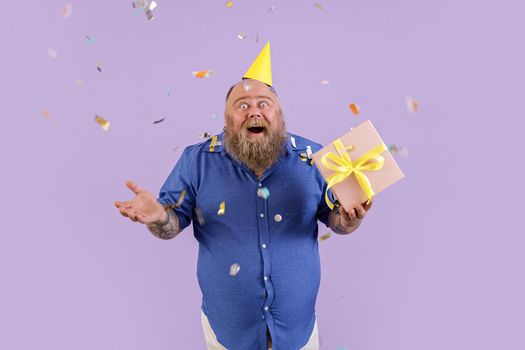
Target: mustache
{"type": "Point", "coordinates": [255, 123]}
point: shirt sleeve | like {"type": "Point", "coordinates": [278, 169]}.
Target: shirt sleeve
{"type": "Point", "coordinates": [179, 183]}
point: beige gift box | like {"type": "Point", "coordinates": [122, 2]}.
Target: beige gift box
{"type": "Point", "coordinates": [364, 138]}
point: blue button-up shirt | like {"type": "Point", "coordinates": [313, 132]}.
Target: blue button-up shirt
{"type": "Point", "coordinates": [273, 240]}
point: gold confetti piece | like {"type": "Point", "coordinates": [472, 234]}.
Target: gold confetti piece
{"type": "Point", "coordinates": [67, 11]}
{"type": "Point", "coordinates": [229, 4]}
{"type": "Point", "coordinates": [234, 269]}
{"type": "Point", "coordinates": [263, 192]}
{"type": "Point", "coordinates": [46, 114]}
{"type": "Point", "coordinates": [79, 82]}
{"type": "Point", "coordinates": [222, 209]}
{"type": "Point", "coordinates": [412, 105]}
{"type": "Point", "coordinates": [204, 135]}
{"type": "Point", "coordinates": [179, 201]}
{"type": "Point", "coordinates": [354, 108]}
{"type": "Point", "coordinates": [271, 9]}
{"type": "Point", "coordinates": [325, 82]}
{"type": "Point", "coordinates": [52, 53]}
{"type": "Point", "coordinates": [102, 122]}
{"type": "Point", "coordinates": [153, 5]}
{"type": "Point", "coordinates": [241, 36]}
{"type": "Point", "coordinates": [200, 217]}
{"type": "Point", "coordinates": [325, 236]}
{"type": "Point", "coordinates": [206, 73]}
{"type": "Point", "coordinates": [159, 121]}
{"type": "Point", "coordinates": [318, 5]}
{"type": "Point", "coordinates": [247, 86]}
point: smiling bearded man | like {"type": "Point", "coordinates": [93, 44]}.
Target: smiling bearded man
{"type": "Point", "coordinates": [255, 132]}
{"type": "Point", "coordinates": [255, 202]}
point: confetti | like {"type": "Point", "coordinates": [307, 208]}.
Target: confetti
{"type": "Point", "coordinates": [401, 151]}
{"type": "Point", "coordinates": [52, 53]}
{"type": "Point", "coordinates": [179, 201]}
{"type": "Point", "coordinates": [242, 36]}
{"type": "Point", "coordinates": [204, 135]}
{"type": "Point", "coordinates": [234, 269]}
{"type": "Point", "coordinates": [271, 9]}
{"type": "Point", "coordinates": [292, 140]}
{"type": "Point", "coordinates": [206, 73]}
{"type": "Point", "coordinates": [325, 82]}
{"type": "Point", "coordinates": [229, 4]}
{"type": "Point", "coordinates": [46, 114]}
{"type": "Point", "coordinates": [145, 6]}
{"type": "Point", "coordinates": [175, 148]}
{"type": "Point", "coordinates": [152, 5]}
{"type": "Point", "coordinates": [200, 217]}
{"type": "Point", "coordinates": [263, 193]}
{"type": "Point", "coordinates": [257, 38]}
{"type": "Point", "coordinates": [309, 152]}
{"type": "Point", "coordinates": [318, 5]}
{"type": "Point", "coordinates": [354, 108]}
{"type": "Point", "coordinates": [214, 116]}
{"type": "Point", "coordinates": [159, 121]}
{"type": "Point", "coordinates": [99, 66]}
{"type": "Point", "coordinates": [325, 236]}
{"type": "Point", "coordinates": [79, 82]}
{"type": "Point", "coordinates": [247, 86]}
{"type": "Point", "coordinates": [102, 122]}
{"type": "Point", "coordinates": [67, 11]}
{"type": "Point", "coordinates": [139, 4]}
{"type": "Point", "coordinates": [412, 104]}
{"type": "Point", "coordinates": [222, 209]}
{"type": "Point", "coordinates": [168, 90]}
{"type": "Point", "coordinates": [90, 40]}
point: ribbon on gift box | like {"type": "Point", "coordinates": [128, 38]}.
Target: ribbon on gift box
{"type": "Point", "coordinates": [344, 167]}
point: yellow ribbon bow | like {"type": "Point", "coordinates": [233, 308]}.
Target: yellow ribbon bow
{"type": "Point", "coordinates": [344, 167]}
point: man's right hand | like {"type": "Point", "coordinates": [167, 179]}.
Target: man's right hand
{"type": "Point", "coordinates": [144, 208]}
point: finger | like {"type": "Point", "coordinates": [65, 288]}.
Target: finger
{"type": "Point", "coordinates": [344, 214]}
{"type": "Point", "coordinates": [368, 205]}
{"type": "Point", "coordinates": [142, 219]}
{"type": "Point", "coordinates": [133, 186]}
{"type": "Point", "coordinates": [124, 212]}
{"type": "Point", "coordinates": [360, 212]}
{"type": "Point", "coordinates": [352, 214]}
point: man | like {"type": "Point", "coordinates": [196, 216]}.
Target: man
{"type": "Point", "coordinates": [255, 201]}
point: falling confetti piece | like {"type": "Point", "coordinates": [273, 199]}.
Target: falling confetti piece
{"type": "Point", "coordinates": [200, 217]}
{"type": "Point", "coordinates": [247, 86]}
{"type": "Point", "coordinates": [318, 5]}
{"type": "Point", "coordinates": [79, 82]}
{"type": "Point", "coordinates": [204, 135]}
{"type": "Point", "coordinates": [139, 4]}
{"type": "Point", "coordinates": [242, 36]}
{"type": "Point", "coordinates": [263, 193]}
{"type": "Point", "coordinates": [90, 40]}
{"type": "Point", "coordinates": [175, 148]}
{"type": "Point", "coordinates": [46, 114]}
{"type": "Point", "coordinates": [153, 5]}
{"type": "Point", "coordinates": [292, 140]}
{"type": "Point", "coordinates": [325, 236]}
{"type": "Point", "coordinates": [179, 201]}
{"type": "Point", "coordinates": [229, 4]}
{"type": "Point", "coordinates": [395, 151]}
{"type": "Point", "coordinates": [271, 9]}
{"type": "Point", "coordinates": [257, 38]}
{"type": "Point", "coordinates": [234, 269]}
{"type": "Point", "coordinates": [206, 73]}
{"type": "Point", "coordinates": [159, 121]}
{"type": "Point", "coordinates": [412, 105]}
{"type": "Point", "coordinates": [52, 53]}
{"type": "Point", "coordinates": [168, 90]}
{"type": "Point", "coordinates": [102, 122]}
{"type": "Point", "coordinates": [309, 152]}
{"type": "Point", "coordinates": [354, 108]}
{"type": "Point", "coordinates": [222, 209]}
{"type": "Point", "coordinates": [99, 66]}
{"type": "Point", "coordinates": [214, 116]}
{"type": "Point", "coordinates": [325, 82]}
{"type": "Point", "coordinates": [67, 11]}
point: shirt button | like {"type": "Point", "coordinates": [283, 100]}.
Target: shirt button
{"type": "Point", "coordinates": [266, 308]}
{"type": "Point", "coordinates": [266, 278]}
{"type": "Point", "coordinates": [278, 217]}
{"type": "Point", "coordinates": [264, 246]}
{"type": "Point", "coordinates": [261, 215]}
{"type": "Point", "coordinates": [260, 184]}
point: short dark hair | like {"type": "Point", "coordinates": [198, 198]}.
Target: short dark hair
{"type": "Point", "coordinates": [231, 89]}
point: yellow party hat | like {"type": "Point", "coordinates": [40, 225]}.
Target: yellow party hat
{"type": "Point", "coordinates": [261, 68]}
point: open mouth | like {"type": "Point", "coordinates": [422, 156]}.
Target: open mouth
{"type": "Point", "coordinates": [256, 129]}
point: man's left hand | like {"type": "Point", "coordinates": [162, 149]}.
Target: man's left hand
{"type": "Point", "coordinates": [350, 220]}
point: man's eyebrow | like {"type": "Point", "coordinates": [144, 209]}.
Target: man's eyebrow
{"type": "Point", "coordinates": [243, 97]}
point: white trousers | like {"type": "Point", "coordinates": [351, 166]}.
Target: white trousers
{"type": "Point", "coordinates": [213, 344]}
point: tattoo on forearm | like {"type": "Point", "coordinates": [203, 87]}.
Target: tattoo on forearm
{"type": "Point", "coordinates": [167, 231]}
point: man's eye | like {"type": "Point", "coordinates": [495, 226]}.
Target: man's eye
{"type": "Point", "coordinates": [243, 106]}
{"type": "Point", "coordinates": [263, 104]}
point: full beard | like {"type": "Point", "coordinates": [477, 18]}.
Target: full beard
{"type": "Point", "coordinates": [258, 153]}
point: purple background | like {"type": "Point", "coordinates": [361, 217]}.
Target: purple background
{"type": "Point", "coordinates": [438, 264]}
